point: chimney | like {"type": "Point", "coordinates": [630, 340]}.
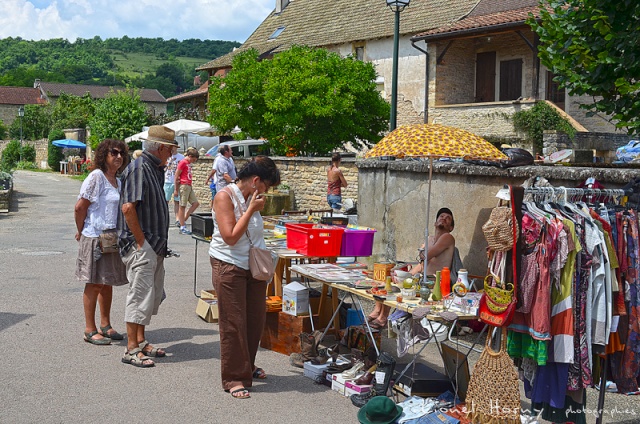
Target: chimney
{"type": "Point", "coordinates": [36, 83]}
{"type": "Point", "coordinates": [280, 5]}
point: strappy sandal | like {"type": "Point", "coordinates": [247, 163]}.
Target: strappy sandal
{"type": "Point", "coordinates": [131, 357]}
{"type": "Point", "coordinates": [259, 374]}
{"type": "Point", "coordinates": [113, 336]}
{"type": "Point", "coordinates": [104, 341]}
{"type": "Point", "coordinates": [377, 325]}
{"type": "Point", "coordinates": [240, 393]}
{"type": "Point", "coordinates": [156, 352]}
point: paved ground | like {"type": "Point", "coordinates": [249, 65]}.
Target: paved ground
{"type": "Point", "coordinates": [48, 374]}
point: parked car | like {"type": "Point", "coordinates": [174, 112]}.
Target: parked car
{"type": "Point", "coordinates": [243, 148]}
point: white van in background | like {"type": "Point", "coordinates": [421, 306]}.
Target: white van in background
{"type": "Point", "coordinates": [242, 148]}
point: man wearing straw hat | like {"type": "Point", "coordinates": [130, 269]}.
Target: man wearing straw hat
{"type": "Point", "coordinates": [143, 229]}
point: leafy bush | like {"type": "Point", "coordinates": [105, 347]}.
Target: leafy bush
{"type": "Point", "coordinates": [28, 165]}
{"type": "Point", "coordinates": [10, 155]}
{"type": "Point", "coordinates": [4, 130]}
{"type": "Point", "coordinates": [533, 122]}
{"type": "Point", "coordinates": [54, 153]}
{"type": "Point", "coordinates": [28, 153]}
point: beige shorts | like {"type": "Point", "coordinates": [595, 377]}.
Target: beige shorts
{"type": "Point", "coordinates": [145, 271]}
{"type": "Point", "coordinates": [187, 195]}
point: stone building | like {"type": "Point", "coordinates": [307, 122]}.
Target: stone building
{"type": "Point", "coordinates": [470, 64]}
{"type": "Point", "coordinates": [12, 98]}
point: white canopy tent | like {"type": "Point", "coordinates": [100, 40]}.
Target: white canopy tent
{"type": "Point", "coordinates": [182, 127]}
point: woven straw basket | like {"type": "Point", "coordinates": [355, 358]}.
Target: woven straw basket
{"type": "Point", "coordinates": [493, 396]}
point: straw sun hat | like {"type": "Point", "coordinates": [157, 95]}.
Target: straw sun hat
{"type": "Point", "coordinates": [162, 134]}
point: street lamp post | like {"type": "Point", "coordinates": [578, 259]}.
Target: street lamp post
{"type": "Point", "coordinates": [397, 6]}
{"type": "Point", "coordinates": [21, 114]}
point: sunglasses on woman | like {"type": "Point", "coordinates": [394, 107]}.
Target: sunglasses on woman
{"type": "Point", "coordinates": [116, 152]}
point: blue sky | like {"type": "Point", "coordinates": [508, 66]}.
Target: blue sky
{"type": "Point", "coordinates": [232, 20]}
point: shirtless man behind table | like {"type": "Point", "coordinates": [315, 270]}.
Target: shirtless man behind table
{"type": "Point", "coordinates": [439, 254]}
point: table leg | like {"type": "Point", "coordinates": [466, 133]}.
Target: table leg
{"type": "Point", "coordinates": [336, 308]}
{"type": "Point", "coordinates": [195, 271]}
{"type": "Point", "coordinates": [355, 300]}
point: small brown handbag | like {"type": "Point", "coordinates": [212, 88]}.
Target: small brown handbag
{"type": "Point", "coordinates": [108, 242]}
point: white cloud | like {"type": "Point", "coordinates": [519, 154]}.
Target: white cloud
{"type": "Point", "coordinates": [229, 20]}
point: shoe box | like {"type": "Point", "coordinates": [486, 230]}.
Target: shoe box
{"type": "Point", "coordinates": [317, 372]}
{"type": "Point", "coordinates": [353, 388]}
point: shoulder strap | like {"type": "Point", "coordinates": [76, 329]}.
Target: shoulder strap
{"type": "Point", "coordinates": [241, 206]}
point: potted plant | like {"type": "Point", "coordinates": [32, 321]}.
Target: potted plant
{"type": "Point", "coordinates": [5, 180]}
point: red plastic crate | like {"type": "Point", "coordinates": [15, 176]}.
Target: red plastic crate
{"type": "Point", "coordinates": [357, 242]}
{"type": "Point", "coordinates": [309, 241]}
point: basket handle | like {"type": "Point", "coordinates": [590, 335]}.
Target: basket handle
{"type": "Point", "coordinates": [503, 343]}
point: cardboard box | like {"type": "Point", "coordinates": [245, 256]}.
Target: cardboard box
{"type": "Point", "coordinates": [295, 299]}
{"type": "Point", "coordinates": [207, 307]}
{"type": "Point", "coordinates": [336, 386]}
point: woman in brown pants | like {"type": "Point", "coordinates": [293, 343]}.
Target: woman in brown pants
{"type": "Point", "coordinates": [241, 298]}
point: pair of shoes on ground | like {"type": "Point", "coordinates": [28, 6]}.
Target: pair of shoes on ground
{"type": "Point", "coordinates": [184, 230]}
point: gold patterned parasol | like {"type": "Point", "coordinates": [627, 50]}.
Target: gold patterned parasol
{"type": "Point", "coordinates": [434, 140]}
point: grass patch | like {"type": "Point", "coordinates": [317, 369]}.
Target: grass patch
{"type": "Point", "coordinates": [140, 64]}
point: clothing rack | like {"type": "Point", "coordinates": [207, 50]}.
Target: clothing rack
{"type": "Point", "coordinates": [564, 194]}
{"type": "Point", "coordinates": [573, 194]}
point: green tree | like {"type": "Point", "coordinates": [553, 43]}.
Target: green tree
{"type": "Point", "coordinates": [304, 100]}
{"type": "Point", "coordinates": [54, 153]}
{"type": "Point", "coordinates": [10, 155]}
{"type": "Point", "coordinates": [36, 123]}
{"type": "Point", "coordinates": [71, 111]}
{"type": "Point", "coordinates": [593, 47]}
{"type": "Point", "coordinates": [118, 115]}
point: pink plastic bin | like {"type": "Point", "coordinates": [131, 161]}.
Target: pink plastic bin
{"type": "Point", "coordinates": [357, 242]}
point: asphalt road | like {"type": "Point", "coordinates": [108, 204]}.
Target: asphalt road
{"type": "Point", "coordinates": [49, 375]}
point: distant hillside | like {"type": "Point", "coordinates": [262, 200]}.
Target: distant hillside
{"type": "Point", "coordinates": [167, 65]}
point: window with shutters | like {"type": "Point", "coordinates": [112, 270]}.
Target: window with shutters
{"type": "Point", "coordinates": [555, 93]}
{"type": "Point", "coordinates": [510, 79]}
{"type": "Point", "coordinates": [486, 77]}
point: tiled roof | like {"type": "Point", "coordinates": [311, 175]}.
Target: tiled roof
{"type": "Point", "coordinates": [98, 91]}
{"type": "Point", "coordinates": [322, 23]}
{"type": "Point", "coordinates": [20, 96]}
{"type": "Point", "coordinates": [200, 91]}
{"type": "Point", "coordinates": [487, 14]}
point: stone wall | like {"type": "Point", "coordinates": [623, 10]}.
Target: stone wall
{"type": "Point", "coordinates": [393, 198]}
{"type": "Point", "coordinates": [603, 144]}
{"type": "Point", "coordinates": [487, 120]}
{"type": "Point", "coordinates": [40, 146]}
{"type": "Point", "coordinates": [307, 177]}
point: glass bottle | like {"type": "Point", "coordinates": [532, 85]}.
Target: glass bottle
{"type": "Point", "coordinates": [445, 282]}
{"type": "Point", "coordinates": [437, 295]}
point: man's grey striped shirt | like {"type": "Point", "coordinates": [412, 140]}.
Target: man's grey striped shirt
{"type": "Point", "coordinates": [143, 184]}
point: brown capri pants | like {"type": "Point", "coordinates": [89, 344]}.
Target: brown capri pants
{"type": "Point", "coordinates": [242, 314]}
